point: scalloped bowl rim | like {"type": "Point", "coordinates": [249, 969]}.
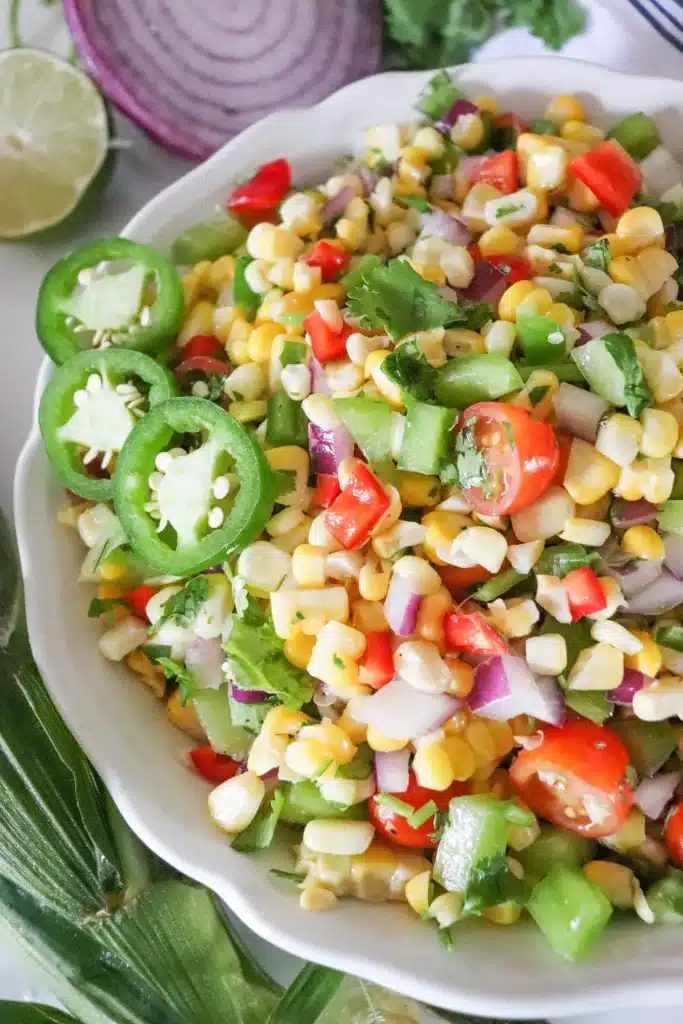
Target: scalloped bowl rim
{"type": "Point", "coordinates": [491, 971]}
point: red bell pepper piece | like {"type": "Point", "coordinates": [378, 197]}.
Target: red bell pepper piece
{"type": "Point", "coordinates": [377, 663]}
{"type": "Point", "coordinates": [331, 260]}
{"type": "Point", "coordinates": [501, 171]}
{"type": "Point", "coordinates": [202, 345]}
{"type": "Point", "coordinates": [213, 767]}
{"type": "Point", "coordinates": [326, 343]}
{"type": "Point", "coordinates": [327, 488]}
{"type": "Point", "coordinates": [264, 191]}
{"type": "Point", "coordinates": [358, 509]}
{"type": "Point", "coordinates": [611, 175]}
{"type": "Point", "coordinates": [137, 599]}
{"type": "Point", "coordinates": [586, 596]}
{"type": "Point", "coordinates": [472, 635]}
{"type": "Point", "coordinates": [517, 268]}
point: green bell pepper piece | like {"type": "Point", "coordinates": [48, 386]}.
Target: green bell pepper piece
{"type": "Point", "coordinates": [243, 295]}
{"type": "Point", "coordinates": [293, 353]}
{"type": "Point", "coordinates": [649, 744]}
{"type": "Point", "coordinates": [478, 378]}
{"type": "Point", "coordinates": [67, 320]}
{"type": "Point", "coordinates": [555, 847]}
{"type": "Point", "coordinates": [369, 421]}
{"type": "Point", "coordinates": [535, 333]}
{"type": "Point", "coordinates": [286, 421]}
{"type": "Point", "coordinates": [665, 898]}
{"type": "Point", "coordinates": [562, 559]}
{"type": "Point", "coordinates": [79, 422]}
{"type": "Point", "coordinates": [670, 635]}
{"type": "Point", "coordinates": [638, 134]}
{"type": "Point", "coordinates": [570, 910]}
{"type": "Point", "coordinates": [304, 802]}
{"type": "Point", "coordinates": [498, 585]}
{"type": "Point", "coordinates": [209, 240]}
{"type": "Point", "coordinates": [425, 438]}
{"type": "Point", "coordinates": [565, 372]}
{"type": "Point", "coordinates": [670, 516]}
{"type": "Point", "coordinates": [187, 544]}
{"type": "Point", "coordinates": [213, 711]}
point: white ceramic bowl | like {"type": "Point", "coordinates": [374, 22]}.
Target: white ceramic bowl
{"type": "Point", "coordinates": [496, 971]}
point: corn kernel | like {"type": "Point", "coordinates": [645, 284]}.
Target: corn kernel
{"type": "Point", "coordinates": [652, 479]}
{"type": "Point", "coordinates": [580, 131]}
{"type": "Point", "coordinates": [417, 892]}
{"type": "Point", "coordinates": [640, 227]}
{"type": "Point", "coordinates": [432, 766]}
{"type": "Point", "coordinates": [468, 131]}
{"type": "Point", "coordinates": [546, 169]}
{"type": "Point", "coordinates": [503, 913]}
{"type": "Point", "coordinates": [519, 210]}
{"type": "Point", "coordinates": [580, 196]}
{"type": "Point", "coordinates": [550, 235]}
{"type": "Point", "coordinates": [462, 757]}
{"type": "Point", "coordinates": [589, 474]}
{"type": "Point", "coordinates": [589, 532]}
{"type": "Point", "coordinates": [627, 270]}
{"type": "Point", "coordinates": [473, 208]}
{"type": "Point", "coordinates": [564, 108]}
{"type": "Point", "coordinates": [356, 731]}
{"type": "Point", "coordinates": [387, 388]}
{"type": "Point", "coordinates": [383, 744]}
{"type": "Point", "coordinates": [600, 667]}
{"type": "Point", "coordinates": [615, 881]}
{"type": "Point", "coordinates": [373, 580]}
{"type": "Point", "coordinates": [481, 741]}
{"type": "Point", "coordinates": [317, 897]}
{"type": "Point", "coordinates": [660, 433]}
{"type": "Point", "coordinates": [619, 439]}
{"type": "Point", "coordinates": [547, 654]}
{"type": "Point", "coordinates": [657, 266]}
{"type": "Point", "coordinates": [643, 542]}
{"type": "Point", "coordinates": [498, 241]}
{"type": "Point", "coordinates": [308, 565]}
{"type": "Point", "coordinates": [417, 490]}
{"type": "Point", "coordinates": [298, 649]}
{"type": "Point", "coordinates": [512, 298]}
{"type": "Point", "coordinates": [335, 739]}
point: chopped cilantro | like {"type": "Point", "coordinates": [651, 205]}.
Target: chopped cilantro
{"type": "Point", "coordinates": [337, 661]}
{"type": "Point", "coordinates": [182, 676]}
{"type": "Point", "coordinates": [508, 208]}
{"type": "Point", "coordinates": [285, 482]}
{"type": "Point", "coordinates": [215, 383]}
{"type": "Point", "coordinates": [438, 95]}
{"type": "Point", "coordinates": [101, 605]}
{"type": "Point", "coordinates": [561, 248]}
{"type": "Point", "coordinates": [261, 832]}
{"type": "Point", "coordinates": [407, 367]}
{"type": "Point", "coordinates": [293, 352]}
{"type": "Point", "coordinates": [471, 469]}
{"type": "Point", "coordinates": [156, 651]}
{"type": "Point", "coordinates": [555, 268]}
{"type": "Point", "coordinates": [414, 202]}
{"type": "Point", "coordinates": [491, 882]}
{"type": "Point", "coordinates": [622, 350]}
{"type": "Point", "coordinates": [478, 314]}
{"type": "Point", "coordinates": [598, 255]}
{"type": "Point", "coordinates": [183, 606]}
{"type": "Point", "coordinates": [585, 297]}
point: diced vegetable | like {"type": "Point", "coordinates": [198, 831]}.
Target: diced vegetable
{"type": "Point", "coordinates": [570, 910]}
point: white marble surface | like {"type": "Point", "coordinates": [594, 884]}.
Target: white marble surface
{"type": "Point", "coordinates": [142, 170]}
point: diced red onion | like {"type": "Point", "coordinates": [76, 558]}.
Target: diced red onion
{"type": "Point", "coordinates": [578, 412]}
{"type": "Point", "coordinates": [204, 658]}
{"type": "Point", "coordinates": [335, 206]}
{"type": "Point", "coordinates": [661, 596]}
{"type": "Point", "coordinates": [592, 330]}
{"type": "Point", "coordinates": [630, 684]}
{"type": "Point", "coordinates": [633, 575]}
{"type": "Point", "coordinates": [457, 109]}
{"type": "Point", "coordinates": [401, 606]}
{"type": "Point", "coordinates": [487, 285]}
{"type": "Point", "coordinates": [319, 383]}
{"type": "Point", "coordinates": [329, 448]}
{"type": "Point", "coordinates": [470, 166]}
{"type": "Point", "coordinates": [562, 217]}
{"type": "Point", "coordinates": [193, 77]}
{"type": "Point", "coordinates": [608, 222]}
{"type": "Point", "coordinates": [655, 794]}
{"type": "Point", "coordinates": [439, 224]}
{"type": "Point", "coordinates": [632, 513]}
{"type": "Point", "coordinates": [505, 687]}
{"type": "Point", "coordinates": [369, 179]}
{"type": "Point", "coordinates": [673, 558]}
{"type": "Point", "coordinates": [392, 771]}
{"type": "Point", "coordinates": [400, 711]}
{"type": "Point", "coordinates": [442, 186]}
{"type": "Point", "coordinates": [248, 696]}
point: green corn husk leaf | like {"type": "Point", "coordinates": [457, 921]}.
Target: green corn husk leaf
{"type": "Point", "coordinates": [121, 938]}
{"type": "Point", "coordinates": [33, 1013]}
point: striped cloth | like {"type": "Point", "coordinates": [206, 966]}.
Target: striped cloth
{"type": "Point", "coordinates": [666, 16]}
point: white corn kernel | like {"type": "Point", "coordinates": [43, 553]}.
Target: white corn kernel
{"type": "Point", "coordinates": [430, 141]}
{"type": "Point", "coordinates": [347, 791]}
{"type": "Point", "coordinates": [421, 665]}
{"type": "Point", "coordinates": [320, 411]}
{"type": "Point", "coordinates": [94, 522]}
{"type": "Point", "coordinates": [296, 380]}
{"type": "Point", "coordinates": [546, 655]}
{"type": "Point", "coordinates": [458, 267]}
{"type": "Point", "coordinates": [334, 185]}
{"type": "Point", "coordinates": [400, 234]}
{"type": "Point", "coordinates": [546, 517]}
{"type": "Point", "coordinates": [399, 536]}
{"type": "Point", "coordinates": [419, 574]}
{"type": "Point", "coordinates": [259, 240]}
{"type": "Point", "coordinates": [617, 636]}
{"type": "Point", "coordinates": [659, 700]}
{"type": "Point", "coordinates": [514, 619]}
{"type": "Point", "coordinates": [282, 273]}
{"type": "Point", "coordinates": [298, 211]}
{"type": "Point", "coordinates": [255, 275]}
{"type": "Point", "coordinates": [619, 438]}
{"type": "Point", "coordinates": [661, 373]}
{"type": "Point", "coordinates": [517, 208]}
{"type": "Point", "coordinates": [622, 303]}
{"type": "Point", "coordinates": [344, 565]}
{"type": "Point", "coordinates": [316, 897]}
{"type": "Point", "coordinates": [263, 566]}
{"type": "Point", "coordinates": [483, 546]}
{"type": "Point", "coordinates": [597, 668]}
{"type": "Point", "coordinates": [267, 753]}
{"type": "Point", "coordinates": [500, 337]}
{"type": "Point", "coordinates": [614, 596]}
{"type": "Point", "coordinates": [347, 838]}
{"type": "Point", "coordinates": [307, 610]}
{"type": "Point", "coordinates": [446, 909]}
{"type": "Point", "coordinates": [305, 277]}
{"type": "Point", "coordinates": [330, 313]}
{"type": "Point", "coordinates": [553, 597]}
{"type": "Point", "coordinates": [233, 804]}
{"type": "Point", "coordinates": [320, 536]}
{"type": "Point", "coordinates": [359, 346]}
{"type": "Point", "coordinates": [523, 557]}
{"type": "Point", "coordinates": [246, 382]}
{"type": "Point", "coordinates": [123, 638]}
{"type": "Point", "coordinates": [589, 532]}
{"type": "Point", "coordinates": [285, 521]}
{"type": "Point", "coordinates": [343, 376]}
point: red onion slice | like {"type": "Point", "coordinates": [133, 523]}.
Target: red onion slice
{"type": "Point", "coordinates": [439, 224]}
{"type": "Point", "coordinates": [487, 285]}
{"type": "Point", "coordinates": [369, 179]}
{"type": "Point", "coordinates": [204, 659]}
{"type": "Point", "coordinates": [319, 384]}
{"type": "Point", "coordinates": [632, 575]}
{"type": "Point", "coordinates": [329, 448]}
{"type": "Point", "coordinates": [248, 696]}
{"type": "Point", "coordinates": [401, 712]}
{"type": "Point", "coordinates": [673, 558]}
{"type": "Point", "coordinates": [335, 206]}
{"type": "Point", "coordinates": [629, 685]}
{"type": "Point", "coordinates": [578, 412]}
{"type": "Point", "coordinates": [655, 794]}
{"type": "Point", "coordinates": [194, 74]}
{"type": "Point", "coordinates": [633, 513]}
{"type": "Point", "coordinates": [505, 687]}
{"type": "Point", "coordinates": [392, 771]}
{"type": "Point", "coordinates": [661, 596]}
{"type": "Point", "coordinates": [594, 329]}
{"type": "Point", "coordinates": [401, 607]}
{"type": "Point", "coordinates": [470, 166]}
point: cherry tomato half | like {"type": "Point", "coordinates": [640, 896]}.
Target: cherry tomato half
{"type": "Point", "coordinates": [673, 835]}
{"type": "Point", "coordinates": [395, 827]}
{"type": "Point", "coordinates": [576, 778]}
{"type": "Point", "coordinates": [264, 191]}
{"type": "Point", "coordinates": [137, 599]}
{"type": "Point", "coordinates": [519, 457]}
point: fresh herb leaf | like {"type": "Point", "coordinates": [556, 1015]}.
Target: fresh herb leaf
{"type": "Point", "coordinates": [555, 268]}
{"type": "Point", "coordinates": [291, 876]}
{"type": "Point", "coordinates": [589, 704]}
{"type": "Point", "coordinates": [183, 606]}
{"type": "Point", "coordinates": [479, 313]}
{"type": "Point", "coordinates": [215, 383]}
{"type": "Point", "coordinates": [285, 482]}
{"type": "Point", "coordinates": [358, 768]}
{"type": "Point", "coordinates": [414, 203]}
{"type": "Point", "coordinates": [564, 558]}
{"type": "Point", "coordinates": [182, 676]}
{"type": "Point", "coordinates": [395, 298]}
{"type": "Point", "coordinates": [638, 394]}
{"type": "Point", "coordinates": [582, 295]}
{"type": "Point", "coordinates": [256, 660]}
{"type": "Point", "coordinates": [337, 661]}
{"type": "Point", "coordinates": [562, 249]}
{"type": "Point", "coordinates": [156, 651]}
{"type": "Point", "coordinates": [552, 21]}
{"type": "Point", "coordinates": [491, 882]}
{"type": "Point", "coordinates": [577, 636]}
{"type": "Point", "coordinates": [598, 255]}
{"type": "Point", "coordinates": [293, 352]}
{"type": "Point", "coordinates": [440, 93]}
{"type": "Point", "coordinates": [261, 832]}
{"type": "Point", "coordinates": [503, 211]}
{"type": "Point", "coordinates": [100, 605]}
{"type": "Point", "coordinates": [471, 469]}
{"type": "Point", "coordinates": [407, 367]}
{"type": "Point", "coordinates": [366, 265]}
{"type": "Point", "coordinates": [422, 814]}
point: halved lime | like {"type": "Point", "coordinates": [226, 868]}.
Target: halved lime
{"type": "Point", "coordinates": [53, 140]}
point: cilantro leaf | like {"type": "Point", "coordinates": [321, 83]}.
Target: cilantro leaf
{"type": "Point", "coordinates": [407, 367]}
{"type": "Point", "coordinates": [293, 352]}
{"type": "Point", "coordinates": [183, 606]}
{"type": "Point", "coordinates": [508, 208]}
{"type": "Point", "coordinates": [553, 21]}
{"type": "Point", "coordinates": [285, 482]}
{"type": "Point", "coordinates": [469, 467]}
{"type": "Point", "coordinates": [395, 298]}
{"type": "Point", "coordinates": [182, 676]}
{"type": "Point", "coordinates": [366, 265]}
{"type": "Point", "coordinates": [156, 651]}
{"type": "Point", "coordinates": [261, 832]}
{"type": "Point", "coordinates": [440, 93]}
{"type": "Point", "coordinates": [583, 296]}
{"type": "Point", "coordinates": [638, 394]}
{"type": "Point", "coordinates": [100, 605]}
{"type": "Point", "coordinates": [414, 203]}
{"type": "Point", "coordinates": [592, 705]}
{"type": "Point", "coordinates": [598, 255]}
{"type": "Point", "coordinates": [477, 314]}
{"type": "Point", "coordinates": [256, 660]}
{"type": "Point", "coordinates": [491, 882]}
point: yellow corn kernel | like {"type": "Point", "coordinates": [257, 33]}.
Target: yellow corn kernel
{"type": "Point", "coordinates": [661, 338]}
{"type": "Point", "coordinates": [549, 235]}
{"type": "Point", "coordinates": [589, 474]}
{"type": "Point", "coordinates": [486, 103]}
{"type": "Point", "coordinates": [310, 759]}
{"type": "Point", "coordinates": [352, 232]}
{"type": "Point", "coordinates": [248, 412]}
{"type": "Point", "coordinates": [512, 298]}
{"type": "Point", "coordinates": [432, 766]}
{"type": "Point", "coordinates": [386, 387]}
{"type": "Point", "coordinates": [503, 914]}
{"type": "Point", "coordinates": [368, 616]}
{"type": "Point", "coordinates": [674, 325]}
{"type": "Point", "coordinates": [502, 735]}
{"type": "Point", "coordinates": [617, 246]}
{"type": "Point", "coordinates": [198, 321]}
{"type": "Point", "coordinates": [564, 107]}
{"type": "Point", "coordinates": [308, 565]}
{"type": "Point", "coordinates": [195, 283]}
{"type": "Point", "coordinates": [498, 241]}
{"type": "Point", "coordinates": [111, 571]}
{"type": "Point", "coordinates": [458, 341]}
{"type": "Point", "coordinates": [298, 649]}
{"type": "Point", "coordinates": [373, 580]}
{"type": "Point", "coordinates": [627, 270]}
{"type": "Point", "coordinates": [546, 169]}
{"type": "Point", "coordinates": [581, 131]}
{"type": "Point", "coordinates": [481, 741]}
{"type": "Point", "coordinates": [356, 731]}
{"type": "Point", "coordinates": [468, 132]}
{"type": "Point", "coordinates": [442, 529]}
{"type": "Point", "coordinates": [429, 625]}
{"type": "Point", "coordinates": [580, 197]}
{"type": "Point", "coordinates": [538, 300]}
{"type": "Point", "coordinates": [660, 433]}
{"type": "Point", "coordinates": [261, 341]}
{"type": "Point", "coordinates": [383, 744]}
{"type": "Point", "coordinates": [648, 660]}
{"type": "Point", "coordinates": [430, 272]}
{"type": "Point", "coordinates": [317, 897]}
{"type": "Point", "coordinates": [418, 490]}
{"type": "Point", "coordinates": [563, 315]}
{"type": "Point", "coordinates": [658, 266]}
{"type": "Point", "coordinates": [640, 227]}
{"type": "Point", "coordinates": [643, 542]}
{"type": "Point", "coordinates": [417, 892]}
{"type": "Point", "coordinates": [462, 757]}
{"type": "Point", "coordinates": [331, 736]}
{"type": "Point", "coordinates": [282, 721]}
{"type": "Point", "coordinates": [151, 675]}
{"type": "Point", "coordinates": [221, 272]}
{"type": "Point", "coordinates": [184, 716]}
{"type": "Point", "coordinates": [462, 676]}
{"type": "Point", "coordinates": [615, 881]}
{"type": "Point", "coordinates": [474, 203]}
{"type": "Point", "coordinates": [109, 591]}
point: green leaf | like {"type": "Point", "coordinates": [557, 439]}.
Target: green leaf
{"type": "Point", "coordinates": [285, 482]}
{"type": "Point", "coordinates": [583, 298]}
{"type": "Point", "coordinates": [181, 675]}
{"type": "Point", "coordinates": [414, 203]}
{"type": "Point", "coordinates": [638, 394]}
{"type": "Point", "coordinates": [33, 1013]}
{"type": "Point", "coordinates": [360, 767]}
{"type": "Point", "coordinates": [598, 255]}
{"type": "Point", "coordinates": [395, 298]}
{"type": "Point", "coordinates": [589, 704]}
{"type": "Point", "coordinates": [408, 368]}
{"type": "Point", "coordinates": [105, 606]}
{"type": "Point", "coordinates": [440, 93]}
{"type": "Point", "coordinates": [491, 882]}
{"type": "Point", "coordinates": [10, 585]}
{"type": "Point", "coordinates": [255, 655]}
{"type": "Point", "coordinates": [261, 832]}
{"type": "Point", "coordinates": [183, 606]}
{"type": "Point", "coordinates": [552, 21]}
